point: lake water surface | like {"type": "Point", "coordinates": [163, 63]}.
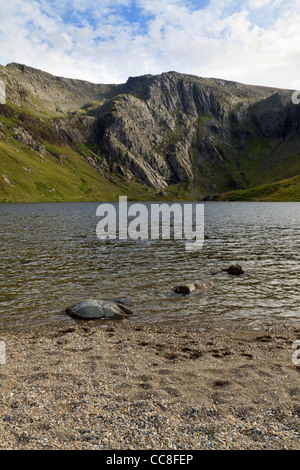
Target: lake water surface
{"type": "Point", "coordinates": [51, 258]}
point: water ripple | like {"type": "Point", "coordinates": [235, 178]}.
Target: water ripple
{"type": "Point", "coordinates": [51, 258]}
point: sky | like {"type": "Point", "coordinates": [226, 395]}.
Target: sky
{"type": "Point", "coordinates": [106, 41]}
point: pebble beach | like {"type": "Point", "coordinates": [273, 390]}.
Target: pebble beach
{"type": "Point", "coordinates": [120, 385]}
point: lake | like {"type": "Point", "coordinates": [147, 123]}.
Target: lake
{"type": "Point", "coordinates": [51, 258]}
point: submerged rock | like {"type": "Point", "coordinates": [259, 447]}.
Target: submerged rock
{"type": "Point", "coordinates": [235, 270]}
{"type": "Point", "coordinates": [185, 289]}
{"type": "Point", "coordinates": [192, 288]}
{"type": "Point", "coordinates": [93, 309]}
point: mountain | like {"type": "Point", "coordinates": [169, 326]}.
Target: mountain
{"type": "Point", "coordinates": [156, 136]}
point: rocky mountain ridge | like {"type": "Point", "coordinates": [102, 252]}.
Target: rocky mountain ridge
{"type": "Point", "coordinates": [170, 132]}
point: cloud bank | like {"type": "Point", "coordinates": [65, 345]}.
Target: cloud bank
{"type": "Point", "coordinates": [104, 41]}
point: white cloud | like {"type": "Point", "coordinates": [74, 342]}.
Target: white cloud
{"type": "Point", "coordinates": [258, 3]}
{"type": "Point", "coordinates": [253, 41]}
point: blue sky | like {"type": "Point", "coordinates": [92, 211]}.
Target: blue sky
{"type": "Point", "coordinates": [104, 41]}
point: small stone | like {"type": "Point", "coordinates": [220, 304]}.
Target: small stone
{"type": "Point", "coordinates": [235, 270]}
{"type": "Point", "coordinates": [185, 289]}
{"type": "Point", "coordinates": [195, 288]}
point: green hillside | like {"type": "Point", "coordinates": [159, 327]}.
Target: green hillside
{"type": "Point", "coordinates": [58, 173]}
{"type": "Point", "coordinates": [287, 190]}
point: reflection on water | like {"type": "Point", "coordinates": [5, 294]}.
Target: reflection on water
{"type": "Point", "coordinates": [51, 258]}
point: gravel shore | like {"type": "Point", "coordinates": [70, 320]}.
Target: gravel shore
{"type": "Point", "coordinates": [122, 385]}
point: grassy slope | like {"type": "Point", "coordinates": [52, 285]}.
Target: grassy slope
{"type": "Point", "coordinates": [266, 161]}
{"type": "Point", "coordinates": [286, 190]}
{"type": "Point", "coordinates": [27, 176]}
{"type": "Point", "coordinates": [61, 174]}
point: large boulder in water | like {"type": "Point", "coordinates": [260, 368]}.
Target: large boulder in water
{"type": "Point", "coordinates": [92, 309]}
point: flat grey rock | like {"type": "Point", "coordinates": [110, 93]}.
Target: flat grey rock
{"type": "Point", "coordinates": [92, 309]}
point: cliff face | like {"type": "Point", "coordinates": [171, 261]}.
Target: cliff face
{"type": "Point", "coordinates": [208, 135]}
{"type": "Point", "coordinates": [176, 128]}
